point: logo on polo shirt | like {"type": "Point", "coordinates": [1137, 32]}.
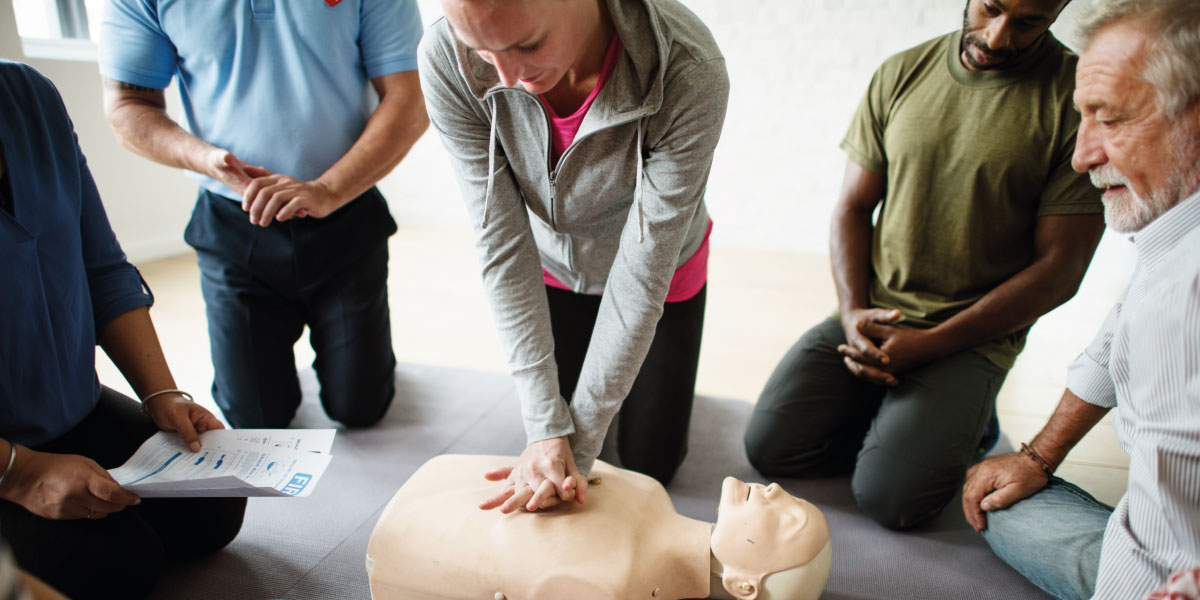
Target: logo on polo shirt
{"type": "Point", "coordinates": [332, 2]}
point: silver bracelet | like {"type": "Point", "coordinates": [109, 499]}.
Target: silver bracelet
{"type": "Point", "coordinates": [186, 396]}
{"type": "Point", "coordinates": [12, 458]}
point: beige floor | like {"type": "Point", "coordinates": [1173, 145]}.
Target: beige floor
{"type": "Point", "coordinates": [758, 304]}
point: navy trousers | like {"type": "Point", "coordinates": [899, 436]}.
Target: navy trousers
{"type": "Point", "coordinates": [263, 285]}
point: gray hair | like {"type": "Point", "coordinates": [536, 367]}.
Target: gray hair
{"type": "Point", "coordinates": [1173, 48]}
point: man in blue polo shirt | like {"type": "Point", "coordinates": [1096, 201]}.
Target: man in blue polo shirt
{"type": "Point", "coordinates": [283, 140]}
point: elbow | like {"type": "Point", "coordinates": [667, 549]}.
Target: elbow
{"type": "Point", "coordinates": [419, 120]}
{"type": "Point", "coordinates": [118, 119]}
{"type": "Point", "coordinates": [1064, 293]}
{"type": "Point", "coordinates": [1062, 284]}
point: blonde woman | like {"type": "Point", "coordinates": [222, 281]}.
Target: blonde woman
{"type": "Point", "coordinates": [582, 134]}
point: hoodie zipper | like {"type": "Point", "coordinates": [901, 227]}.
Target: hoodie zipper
{"type": "Point", "coordinates": [552, 173]}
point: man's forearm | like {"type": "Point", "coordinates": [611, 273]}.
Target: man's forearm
{"type": "Point", "coordinates": [389, 134]}
{"type": "Point", "coordinates": [850, 235]}
{"type": "Point", "coordinates": [1072, 419]}
{"type": "Point", "coordinates": [1049, 281]}
{"type": "Point", "coordinates": [139, 118]}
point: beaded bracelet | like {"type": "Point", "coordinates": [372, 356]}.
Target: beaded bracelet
{"type": "Point", "coordinates": [1037, 459]}
{"type": "Point", "coordinates": [185, 395]}
{"type": "Point", "coordinates": [12, 458]}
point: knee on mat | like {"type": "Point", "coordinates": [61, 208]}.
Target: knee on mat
{"type": "Point", "coordinates": [763, 449]}
{"type": "Point", "coordinates": [773, 459]}
{"type": "Point", "coordinates": [764, 455]}
{"type": "Point", "coordinates": [358, 406]}
{"type": "Point", "coordinates": [216, 526]}
{"type": "Point", "coordinates": [899, 501]}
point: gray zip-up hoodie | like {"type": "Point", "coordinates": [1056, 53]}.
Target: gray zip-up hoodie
{"type": "Point", "coordinates": [620, 212]}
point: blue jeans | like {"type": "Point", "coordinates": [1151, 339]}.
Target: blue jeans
{"type": "Point", "coordinates": [1052, 538]}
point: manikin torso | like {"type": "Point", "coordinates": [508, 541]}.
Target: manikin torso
{"type": "Point", "coordinates": [432, 541]}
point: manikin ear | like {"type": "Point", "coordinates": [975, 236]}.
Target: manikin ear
{"type": "Point", "coordinates": [742, 586]}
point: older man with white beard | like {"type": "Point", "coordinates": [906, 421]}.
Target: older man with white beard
{"type": "Point", "coordinates": [1138, 90]}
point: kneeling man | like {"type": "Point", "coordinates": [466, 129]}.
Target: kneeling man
{"type": "Point", "coordinates": [1139, 93]}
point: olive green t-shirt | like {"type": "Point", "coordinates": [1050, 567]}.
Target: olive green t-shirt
{"type": "Point", "coordinates": [972, 160]}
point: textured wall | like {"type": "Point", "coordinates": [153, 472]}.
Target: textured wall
{"type": "Point", "coordinates": [798, 68]}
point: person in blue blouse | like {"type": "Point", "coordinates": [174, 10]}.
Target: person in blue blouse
{"type": "Point", "coordinates": [67, 287]}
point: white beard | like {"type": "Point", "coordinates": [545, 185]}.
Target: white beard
{"type": "Point", "coordinates": [1127, 211]}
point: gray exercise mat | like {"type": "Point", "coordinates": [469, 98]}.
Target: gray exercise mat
{"type": "Point", "coordinates": [314, 547]}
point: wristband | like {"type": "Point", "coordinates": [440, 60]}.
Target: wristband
{"type": "Point", "coordinates": [183, 394]}
{"type": "Point", "coordinates": [1037, 459]}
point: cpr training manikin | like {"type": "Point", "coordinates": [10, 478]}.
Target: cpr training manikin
{"type": "Point", "coordinates": [626, 541]}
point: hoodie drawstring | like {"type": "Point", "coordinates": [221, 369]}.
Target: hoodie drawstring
{"type": "Point", "coordinates": [637, 186]}
{"type": "Point", "coordinates": [487, 194]}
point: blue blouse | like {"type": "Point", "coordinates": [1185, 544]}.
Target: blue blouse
{"type": "Point", "coordinates": [63, 276]}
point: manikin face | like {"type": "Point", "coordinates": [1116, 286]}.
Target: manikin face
{"type": "Point", "coordinates": [762, 530]}
{"type": "Point", "coordinates": [1143, 159]}
{"type": "Point", "coordinates": [999, 33]}
{"type": "Point", "coordinates": [532, 43]}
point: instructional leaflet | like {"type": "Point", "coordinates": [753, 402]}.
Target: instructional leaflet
{"type": "Point", "coordinates": [232, 462]}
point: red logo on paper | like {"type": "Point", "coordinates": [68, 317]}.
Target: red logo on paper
{"type": "Point", "coordinates": [332, 2]}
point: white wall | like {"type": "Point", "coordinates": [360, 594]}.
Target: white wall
{"type": "Point", "coordinates": [148, 204]}
{"type": "Point", "coordinates": [798, 68]}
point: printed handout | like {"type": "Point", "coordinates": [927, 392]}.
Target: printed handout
{"type": "Point", "coordinates": [232, 462]}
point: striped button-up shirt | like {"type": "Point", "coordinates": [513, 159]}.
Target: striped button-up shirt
{"type": "Point", "coordinates": [1146, 362]}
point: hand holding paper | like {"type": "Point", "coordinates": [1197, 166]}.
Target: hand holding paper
{"type": "Point", "coordinates": [232, 462]}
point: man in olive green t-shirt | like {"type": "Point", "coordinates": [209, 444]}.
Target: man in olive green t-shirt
{"type": "Point", "coordinates": [984, 227]}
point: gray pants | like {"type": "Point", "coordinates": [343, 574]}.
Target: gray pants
{"type": "Point", "coordinates": [908, 446]}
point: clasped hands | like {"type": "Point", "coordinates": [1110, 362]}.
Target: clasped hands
{"type": "Point", "coordinates": [545, 476]}
{"type": "Point", "coordinates": [267, 195]}
{"type": "Point", "coordinates": [876, 351]}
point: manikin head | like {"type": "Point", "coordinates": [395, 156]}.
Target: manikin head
{"type": "Point", "coordinates": [1000, 33]}
{"type": "Point", "coordinates": [1138, 91]}
{"type": "Point", "coordinates": [533, 43]}
{"type": "Point", "coordinates": [770, 543]}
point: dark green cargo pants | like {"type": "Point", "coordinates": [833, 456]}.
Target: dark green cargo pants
{"type": "Point", "coordinates": [908, 446]}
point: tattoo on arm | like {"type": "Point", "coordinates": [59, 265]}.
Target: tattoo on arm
{"type": "Point", "coordinates": [121, 85]}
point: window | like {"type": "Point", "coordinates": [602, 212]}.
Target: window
{"type": "Point", "coordinates": [62, 29]}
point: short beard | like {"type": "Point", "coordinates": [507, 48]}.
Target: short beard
{"type": "Point", "coordinates": [968, 39]}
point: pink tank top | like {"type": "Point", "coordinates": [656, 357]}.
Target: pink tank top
{"type": "Point", "coordinates": [691, 276]}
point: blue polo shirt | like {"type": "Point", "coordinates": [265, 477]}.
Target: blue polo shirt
{"type": "Point", "coordinates": [63, 275]}
{"type": "Point", "coordinates": [280, 83]}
